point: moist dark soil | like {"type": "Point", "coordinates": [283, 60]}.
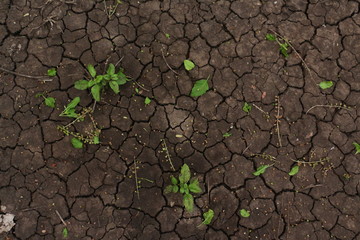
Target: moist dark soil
{"type": "Point", "coordinates": [94, 189]}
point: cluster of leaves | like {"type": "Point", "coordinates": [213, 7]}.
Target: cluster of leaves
{"type": "Point", "coordinates": [357, 147]}
{"type": "Point", "coordinates": [185, 186]}
{"type": "Point", "coordinates": [98, 82]}
{"type": "Point", "coordinates": [48, 101]}
{"type": "Point", "coordinates": [283, 44]}
{"type": "Point", "coordinates": [70, 109]}
{"type": "Point", "coordinates": [247, 107]}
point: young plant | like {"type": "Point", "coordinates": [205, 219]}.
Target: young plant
{"type": "Point", "coordinates": [245, 213]}
{"type": "Point", "coordinates": [51, 72]}
{"type": "Point", "coordinates": [185, 186]}
{"type": "Point", "coordinates": [294, 170]}
{"type": "Point", "coordinates": [283, 43]}
{"type": "Point", "coordinates": [98, 82]}
{"type": "Point", "coordinates": [357, 147]}
{"type": "Point", "coordinates": [208, 216]}
{"type": "Point", "coordinates": [48, 101]}
{"type": "Point", "coordinates": [326, 84]}
{"type": "Point", "coordinates": [247, 107]}
{"type": "Point", "coordinates": [147, 101]}
{"type": "Point", "coordinates": [260, 170]}
{"type": "Point", "coordinates": [69, 110]}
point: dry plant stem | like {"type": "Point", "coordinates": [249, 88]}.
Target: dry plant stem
{"type": "Point", "coordinates": [278, 120]}
{"type": "Point", "coordinates": [168, 154]}
{"type": "Point", "coordinates": [328, 106]}
{"type": "Point", "coordinates": [258, 108]}
{"type": "Point", "coordinates": [296, 52]}
{"type": "Point", "coordinates": [43, 78]}
{"type": "Point", "coordinates": [139, 85]}
{"type": "Point", "coordinates": [136, 180]}
{"type": "Point", "coordinates": [163, 55]}
{"type": "Point", "coordinates": [62, 220]}
{"type": "Point", "coordinates": [306, 162]}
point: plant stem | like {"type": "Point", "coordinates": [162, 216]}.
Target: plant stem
{"type": "Point", "coordinates": [136, 180]}
{"type": "Point", "coordinates": [24, 75]}
{"type": "Point", "coordinates": [168, 154]}
{"type": "Point", "coordinates": [329, 106]}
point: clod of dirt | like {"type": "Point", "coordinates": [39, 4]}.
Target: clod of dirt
{"type": "Point", "coordinates": [6, 222]}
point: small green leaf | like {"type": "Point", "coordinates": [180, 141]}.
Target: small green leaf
{"type": "Point", "coordinates": [173, 179]}
{"type": "Point", "coordinates": [194, 186]}
{"type": "Point", "coordinates": [175, 188]}
{"type": "Point", "coordinates": [167, 35]}
{"type": "Point", "coordinates": [189, 65]}
{"type": "Point", "coordinates": [182, 189]}
{"type": "Point", "coordinates": [95, 91]}
{"type": "Point", "coordinates": [81, 84]}
{"type": "Point", "coordinates": [73, 103]}
{"type": "Point", "coordinates": [76, 143]}
{"type": "Point", "coordinates": [50, 102]}
{"type": "Point", "coordinates": [284, 52]}
{"type": "Point", "coordinates": [326, 84]}
{"type": "Point", "coordinates": [270, 37]}
{"type": "Point", "coordinates": [184, 174]}
{"type": "Point", "coordinates": [186, 188]}
{"type": "Point", "coordinates": [294, 170]}
{"type": "Point", "coordinates": [200, 87]}
{"type": "Point", "coordinates": [168, 189]}
{"type": "Point", "coordinates": [208, 216]}
{"type": "Point", "coordinates": [226, 135]}
{"type": "Point", "coordinates": [147, 101]}
{"type": "Point", "coordinates": [136, 90]}
{"type": "Point", "coordinates": [65, 232]}
{"type": "Point", "coordinates": [244, 213]}
{"type": "Point", "coordinates": [114, 86]}
{"type": "Point", "coordinates": [357, 147]}
{"type": "Point", "coordinates": [39, 95]}
{"type": "Point", "coordinates": [122, 78]}
{"type": "Point", "coordinates": [51, 72]}
{"type": "Point", "coordinates": [247, 107]}
{"type": "Point", "coordinates": [111, 69]}
{"type": "Point", "coordinates": [260, 170]}
{"type": "Point", "coordinates": [188, 201]}
{"type": "Point", "coordinates": [91, 70]}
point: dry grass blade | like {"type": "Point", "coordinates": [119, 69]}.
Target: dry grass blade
{"type": "Point", "coordinates": [278, 117]}
{"type": "Point", "coordinates": [42, 78]}
{"type": "Point", "coordinates": [163, 55]}
{"type": "Point", "coordinates": [329, 106]}
{"type": "Point", "coordinates": [168, 157]}
{"type": "Point", "coordinates": [61, 219]}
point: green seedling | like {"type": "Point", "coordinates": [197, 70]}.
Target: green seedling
{"type": "Point", "coordinates": [65, 232]}
{"type": "Point", "coordinates": [147, 101]}
{"type": "Point", "coordinates": [51, 72]}
{"type": "Point", "coordinates": [48, 101]}
{"type": "Point", "coordinates": [357, 147]}
{"type": "Point", "coordinates": [200, 87]}
{"type": "Point", "coordinates": [69, 110]}
{"type": "Point", "coordinates": [326, 84]}
{"type": "Point", "coordinates": [247, 107]}
{"type": "Point", "coordinates": [226, 135]}
{"type": "Point", "coordinates": [189, 65]}
{"type": "Point", "coordinates": [208, 216]}
{"type": "Point", "coordinates": [294, 170]}
{"type": "Point", "coordinates": [185, 186]}
{"type": "Point", "coordinates": [167, 35]}
{"type": "Point", "coordinates": [244, 213]}
{"type": "Point", "coordinates": [97, 83]}
{"type": "Point", "coordinates": [260, 170]}
{"type": "Point", "coordinates": [283, 43]}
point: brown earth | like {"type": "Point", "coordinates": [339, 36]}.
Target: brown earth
{"type": "Point", "coordinates": [94, 189]}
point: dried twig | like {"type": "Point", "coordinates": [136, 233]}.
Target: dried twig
{"type": "Point", "coordinates": [163, 55]}
{"type": "Point", "coordinates": [165, 148]}
{"type": "Point", "coordinates": [136, 180]}
{"type": "Point", "coordinates": [62, 220]}
{"type": "Point", "coordinates": [340, 106]}
{"type": "Point", "coordinates": [258, 108]}
{"type": "Point", "coordinates": [139, 85]}
{"type": "Point", "coordinates": [278, 117]}
{"type": "Point", "coordinates": [42, 78]}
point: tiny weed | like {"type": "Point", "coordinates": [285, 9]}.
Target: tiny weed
{"type": "Point", "coordinates": [69, 110]}
{"type": "Point", "coordinates": [111, 9]}
{"type": "Point", "coordinates": [98, 82]}
{"type": "Point", "coordinates": [167, 35]}
{"type": "Point", "coordinates": [226, 135]}
{"type": "Point", "coordinates": [48, 101]}
{"type": "Point", "coordinates": [208, 216]}
{"type": "Point", "coordinates": [245, 213]}
{"type": "Point", "coordinates": [326, 84]}
{"type": "Point", "coordinates": [185, 187]}
{"type": "Point", "coordinates": [200, 87]}
{"type": "Point", "coordinates": [51, 72]}
{"type": "Point", "coordinates": [147, 101]}
{"type": "Point", "coordinates": [246, 108]}
{"type": "Point", "coordinates": [357, 147]}
{"type": "Point", "coordinates": [294, 170]}
{"type": "Point", "coordinates": [283, 43]}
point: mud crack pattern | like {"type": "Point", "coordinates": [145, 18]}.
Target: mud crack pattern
{"type": "Point", "coordinates": [93, 189]}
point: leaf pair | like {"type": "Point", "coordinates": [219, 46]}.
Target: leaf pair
{"type": "Point", "coordinates": [284, 46]}
{"type": "Point", "coordinates": [70, 110]}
